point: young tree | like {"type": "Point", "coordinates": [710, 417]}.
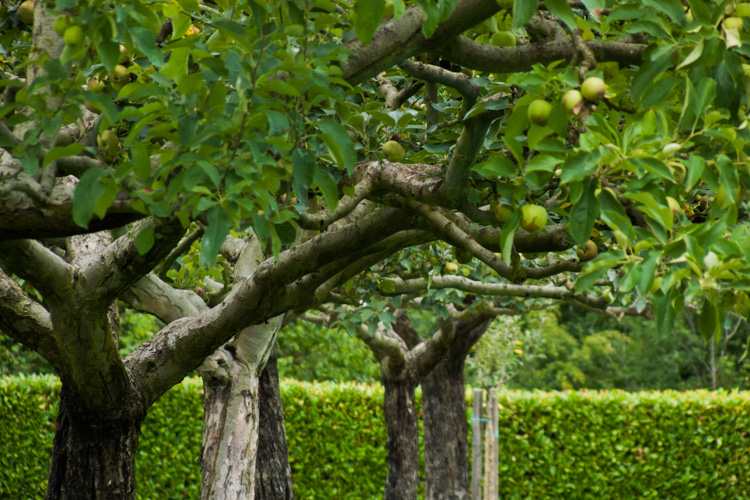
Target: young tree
{"type": "Point", "coordinates": [268, 118]}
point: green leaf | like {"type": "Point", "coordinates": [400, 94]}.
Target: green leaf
{"type": "Point", "coordinates": [368, 16]}
{"type": "Point", "coordinates": [561, 10]}
{"type": "Point", "coordinates": [523, 10]}
{"type": "Point", "coordinates": [700, 10]}
{"type": "Point", "coordinates": [665, 312]}
{"type": "Point", "coordinates": [145, 41]}
{"type": "Point", "coordinates": [543, 163]}
{"type": "Point", "coordinates": [595, 269]}
{"type": "Point", "coordinates": [107, 198]}
{"type": "Point", "coordinates": [177, 64]}
{"type": "Point", "coordinates": [144, 240]}
{"type": "Point", "coordinates": [107, 48]}
{"type": "Point", "coordinates": [672, 8]}
{"type": "Point", "coordinates": [432, 17]}
{"type": "Point", "coordinates": [277, 123]}
{"type": "Point", "coordinates": [647, 74]}
{"type": "Point", "coordinates": [339, 143]}
{"type": "Point", "coordinates": [325, 182]}
{"type": "Point", "coordinates": [87, 193]}
{"type": "Point", "coordinates": [496, 166]}
{"type": "Point", "coordinates": [653, 166]}
{"type": "Point", "coordinates": [584, 212]}
{"type": "Point", "coordinates": [216, 233]}
{"type": "Point", "coordinates": [303, 166]}
{"type": "Point", "coordinates": [579, 165]}
{"type": "Point", "coordinates": [61, 152]}
{"type": "Point", "coordinates": [507, 233]}
{"type": "Point", "coordinates": [693, 56]}
{"type": "Point", "coordinates": [648, 269]}
{"type": "Point", "coordinates": [706, 95]}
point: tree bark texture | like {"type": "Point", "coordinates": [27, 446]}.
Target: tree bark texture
{"type": "Point", "coordinates": [273, 476]}
{"type": "Point", "coordinates": [445, 434]}
{"type": "Point", "coordinates": [93, 458]}
{"type": "Point", "coordinates": [446, 446]}
{"type": "Point", "coordinates": [231, 381]}
{"type": "Point", "coordinates": [230, 437]}
{"type": "Point", "coordinates": [403, 440]}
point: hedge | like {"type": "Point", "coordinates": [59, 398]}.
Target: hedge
{"type": "Point", "coordinates": [572, 445]}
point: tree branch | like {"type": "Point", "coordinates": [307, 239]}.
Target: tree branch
{"type": "Point", "coordinates": [26, 321]}
{"type": "Point", "coordinates": [48, 273]}
{"type": "Point", "coordinates": [395, 41]}
{"type": "Point", "coordinates": [470, 54]}
{"type": "Point", "coordinates": [436, 74]}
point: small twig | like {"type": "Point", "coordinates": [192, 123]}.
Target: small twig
{"type": "Point", "coordinates": [184, 246]}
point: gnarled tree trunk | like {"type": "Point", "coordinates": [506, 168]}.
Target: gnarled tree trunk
{"type": "Point", "coordinates": [273, 476]}
{"type": "Point", "coordinates": [93, 457]}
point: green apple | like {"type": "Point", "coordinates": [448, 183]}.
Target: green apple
{"type": "Point", "coordinates": [62, 23]}
{"type": "Point", "coordinates": [593, 89]}
{"type": "Point", "coordinates": [95, 85]}
{"type": "Point", "coordinates": [539, 111]}
{"type": "Point", "coordinates": [587, 251]}
{"type": "Point", "coordinates": [26, 12]}
{"type": "Point", "coordinates": [572, 101]}
{"type": "Point", "coordinates": [74, 36]}
{"type": "Point", "coordinates": [394, 151]}
{"type": "Point", "coordinates": [742, 10]}
{"type": "Point", "coordinates": [733, 23]}
{"type": "Point", "coordinates": [388, 8]}
{"type": "Point", "coordinates": [119, 75]}
{"type": "Point", "coordinates": [533, 217]}
{"type": "Point", "coordinates": [124, 55]}
{"type": "Point", "coordinates": [502, 212]}
{"type": "Point", "coordinates": [109, 141]}
{"type": "Point", "coordinates": [503, 39]}
{"type": "Point", "coordinates": [450, 268]}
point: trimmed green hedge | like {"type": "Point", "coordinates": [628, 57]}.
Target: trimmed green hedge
{"type": "Point", "coordinates": [625, 445]}
{"type": "Point", "coordinates": [552, 445]}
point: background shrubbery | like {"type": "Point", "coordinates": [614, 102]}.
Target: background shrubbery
{"type": "Point", "coordinates": [552, 445]}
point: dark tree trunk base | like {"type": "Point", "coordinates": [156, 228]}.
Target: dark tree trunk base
{"type": "Point", "coordinates": [445, 434]}
{"type": "Point", "coordinates": [93, 458]}
{"type": "Point", "coordinates": [403, 440]}
{"type": "Point", "coordinates": [446, 449]}
{"type": "Point", "coordinates": [273, 476]}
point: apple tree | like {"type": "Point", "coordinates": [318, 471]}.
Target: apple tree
{"type": "Point", "coordinates": [597, 144]}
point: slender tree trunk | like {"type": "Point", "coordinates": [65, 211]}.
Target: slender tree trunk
{"type": "Point", "coordinates": [230, 435]}
{"type": "Point", "coordinates": [93, 457]}
{"type": "Point", "coordinates": [273, 476]}
{"type": "Point", "coordinates": [446, 449]}
{"type": "Point", "coordinates": [403, 440]}
{"type": "Point", "coordinates": [231, 381]}
{"type": "Point", "coordinates": [445, 433]}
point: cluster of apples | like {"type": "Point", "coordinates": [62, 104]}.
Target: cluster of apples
{"type": "Point", "coordinates": [592, 90]}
